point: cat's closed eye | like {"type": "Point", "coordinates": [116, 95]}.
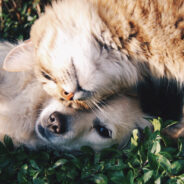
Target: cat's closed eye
{"type": "Point", "coordinates": [47, 76]}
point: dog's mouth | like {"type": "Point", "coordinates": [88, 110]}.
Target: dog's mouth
{"type": "Point", "coordinates": [45, 133]}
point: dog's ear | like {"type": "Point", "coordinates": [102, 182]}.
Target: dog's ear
{"type": "Point", "coordinates": [20, 58]}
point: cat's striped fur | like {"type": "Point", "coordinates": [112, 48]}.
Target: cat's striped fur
{"type": "Point", "coordinates": [93, 48]}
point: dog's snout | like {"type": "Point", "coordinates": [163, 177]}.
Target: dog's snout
{"type": "Point", "coordinates": [57, 123]}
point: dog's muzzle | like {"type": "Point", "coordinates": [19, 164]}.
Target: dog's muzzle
{"type": "Point", "coordinates": [56, 124]}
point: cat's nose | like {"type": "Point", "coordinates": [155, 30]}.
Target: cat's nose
{"type": "Point", "coordinates": [67, 95]}
{"type": "Point", "coordinates": [76, 93]}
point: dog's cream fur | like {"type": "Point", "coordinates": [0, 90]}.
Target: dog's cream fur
{"type": "Point", "coordinates": [21, 98]}
{"type": "Point", "coordinates": [119, 116]}
{"type": "Point", "coordinates": [25, 106]}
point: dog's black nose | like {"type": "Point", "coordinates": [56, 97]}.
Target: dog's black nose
{"type": "Point", "coordinates": [57, 123]}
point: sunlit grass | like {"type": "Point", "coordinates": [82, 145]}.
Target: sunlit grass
{"type": "Point", "coordinates": [149, 159]}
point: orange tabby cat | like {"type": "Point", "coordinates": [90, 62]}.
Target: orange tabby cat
{"type": "Point", "coordinates": [88, 49]}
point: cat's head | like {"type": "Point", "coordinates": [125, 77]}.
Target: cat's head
{"type": "Point", "coordinates": [76, 58]}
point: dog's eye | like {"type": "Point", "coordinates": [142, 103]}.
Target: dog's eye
{"type": "Point", "coordinates": [102, 130]}
{"type": "Point", "coordinates": [46, 76]}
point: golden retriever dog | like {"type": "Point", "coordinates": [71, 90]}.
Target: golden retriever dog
{"type": "Point", "coordinates": [112, 123]}
{"type": "Point", "coordinates": [31, 117]}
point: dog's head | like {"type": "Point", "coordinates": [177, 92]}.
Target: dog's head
{"type": "Point", "coordinates": [65, 128]}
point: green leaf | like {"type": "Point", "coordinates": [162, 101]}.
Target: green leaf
{"type": "Point", "coordinates": [59, 163]}
{"type": "Point", "coordinates": [180, 147]}
{"type": "Point", "coordinates": [156, 147]}
{"type": "Point", "coordinates": [116, 177]}
{"type": "Point", "coordinates": [21, 178]}
{"type": "Point", "coordinates": [167, 154]}
{"type": "Point", "coordinates": [24, 169]}
{"type": "Point", "coordinates": [130, 177]}
{"type": "Point", "coordinates": [177, 167]}
{"type": "Point", "coordinates": [153, 161]}
{"type": "Point", "coordinates": [168, 123]}
{"type": "Point", "coordinates": [134, 138]}
{"type": "Point", "coordinates": [158, 180]}
{"type": "Point", "coordinates": [100, 179]}
{"type": "Point", "coordinates": [181, 177]}
{"type": "Point", "coordinates": [34, 165]}
{"type": "Point", "coordinates": [156, 124]}
{"type": "Point", "coordinates": [147, 176]}
{"type": "Point", "coordinates": [164, 163]}
{"type": "Point", "coordinates": [38, 181]}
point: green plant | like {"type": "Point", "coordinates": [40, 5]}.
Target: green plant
{"type": "Point", "coordinates": [152, 158]}
{"type": "Point", "coordinates": [17, 16]}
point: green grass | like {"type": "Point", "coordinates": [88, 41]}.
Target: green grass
{"type": "Point", "coordinates": [152, 158]}
{"type": "Point", "coordinates": [17, 16]}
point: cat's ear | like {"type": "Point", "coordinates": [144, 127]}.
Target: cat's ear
{"type": "Point", "coordinates": [20, 58]}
